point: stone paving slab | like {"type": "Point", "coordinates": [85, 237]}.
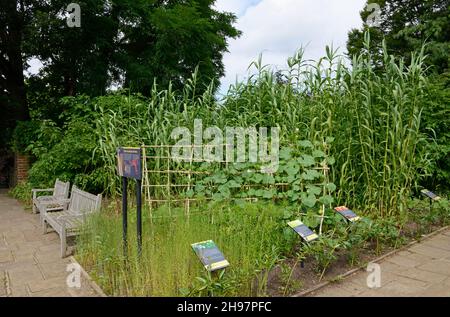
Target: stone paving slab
{"type": "Point", "coordinates": [422, 270]}
{"type": "Point", "coordinates": [30, 264]}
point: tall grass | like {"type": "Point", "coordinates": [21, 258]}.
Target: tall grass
{"type": "Point", "coordinates": [373, 114]}
{"type": "Point", "coordinates": [251, 236]}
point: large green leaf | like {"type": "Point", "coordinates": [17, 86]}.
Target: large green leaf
{"type": "Point", "coordinates": [233, 184]}
{"type": "Point", "coordinates": [306, 160]}
{"type": "Point", "coordinates": [309, 201]}
{"type": "Point", "coordinates": [330, 160]}
{"type": "Point", "coordinates": [326, 200]}
{"type": "Point", "coordinates": [268, 179]}
{"type": "Point", "coordinates": [305, 144]}
{"type": "Point", "coordinates": [318, 153]}
{"type": "Point", "coordinates": [311, 189]}
{"type": "Point", "coordinates": [310, 175]}
{"type": "Point", "coordinates": [330, 187]}
{"type": "Point", "coordinates": [285, 153]}
{"type": "Point", "coordinates": [269, 194]}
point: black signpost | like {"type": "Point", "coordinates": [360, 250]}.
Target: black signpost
{"type": "Point", "coordinates": [124, 213]}
{"type": "Point", "coordinates": [129, 163]}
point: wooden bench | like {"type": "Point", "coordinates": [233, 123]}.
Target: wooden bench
{"type": "Point", "coordinates": [56, 201]}
{"type": "Point", "coordinates": [68, 222]}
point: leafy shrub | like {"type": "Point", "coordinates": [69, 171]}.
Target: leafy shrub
{"type": "Point", "coordinates": [24, 134]}
{"type": "Point", "coordinates": [22, 192]}
{"type": "Point", "coordinates": [436, 125]}
{"type": "Point", "coordinates": [67, 159]}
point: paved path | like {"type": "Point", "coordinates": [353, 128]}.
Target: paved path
{"type": "Point", "coordinates": [421, 270]}
{"type": "Point", "coordinates": [30, 264]}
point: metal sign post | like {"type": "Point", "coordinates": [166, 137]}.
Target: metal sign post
{"type": "Point", "coordinates": [139, 215]}
{"type": "Point", "coordinates": [125, 214]}
{"type": "Point", "coordinates": [129, 163]}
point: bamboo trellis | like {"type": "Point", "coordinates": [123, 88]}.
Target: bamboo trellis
{"type": "Point", "coordinates": [160, 189]}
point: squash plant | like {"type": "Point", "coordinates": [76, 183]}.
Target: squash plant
{"type": "Point", "coordinates": [299, 180]}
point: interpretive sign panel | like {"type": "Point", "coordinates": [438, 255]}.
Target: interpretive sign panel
{"type": "Point", "coordinates": [347, 214]}
{"type": "Point", "coordinates": [129, 162]}
{"type": "Point", "coordinates": [303, 231]}
{"type": "Point", "coordinates": [210, 255]}
{"type": "Point", "coordinates": [430, 194]}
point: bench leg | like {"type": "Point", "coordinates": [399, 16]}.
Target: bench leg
{"type": "Point", "coordinates": [34, 208]}
{"type": "Point", "coordinates": [44, 226]}
{"type": "Point", "coordinates": [63, 243]}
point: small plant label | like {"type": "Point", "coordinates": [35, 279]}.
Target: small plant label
{"type": "Point", "coordinates": [129, 162]}
{"type": "Point", "coordinates": [347, 214]}
{"type": "Point", "coordinates": [210, 255]}
{"type": "Point", "coordinates": [430, 194]}
{"type": "Point", "coordinates": [307, 234]}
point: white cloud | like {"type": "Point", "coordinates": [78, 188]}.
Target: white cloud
{"type": "Point", "coordinates": [277, 28]}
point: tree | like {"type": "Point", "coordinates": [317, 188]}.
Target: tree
{"type": "Point", "coordinates": [13, 17]}
{"type": "Point", "coordinates": [130, 43]}
{"type": "Point", "coordinates": [405, 25]}
{"type": "Point", "coordinates": [168, 40]}
{"type": "Point", "coordinates": [76, 59]}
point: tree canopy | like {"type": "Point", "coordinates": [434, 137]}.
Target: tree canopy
{"type": "Point", "coordinates": [405, 25]}
{"type": "Point", "coordinates": [120, 43]}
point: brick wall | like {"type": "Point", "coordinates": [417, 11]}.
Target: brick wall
{"type": "Point", "coordinates": [21, 167]}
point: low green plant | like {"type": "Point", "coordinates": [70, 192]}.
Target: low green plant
{"type": "Point", "coordinates": [210, 284]}
{"type": "Point", "coordinates": [323, 250]}
{"type": "Point", "coordinates": [22, 192]}
{"type": "Point", "coordinates": [291, 285]}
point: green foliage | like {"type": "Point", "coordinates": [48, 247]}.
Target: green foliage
{"type": "Point", "coordinates": [246, 234]}
{"type": "Point", "coordinates": [67, 158]}
{"type": "Point", "coordinates": [211, 284]}
{"type": "Point", "coordinates": [324, 251]}
{"type": "Point", "coordinates": [428, 216]}
{"type": "Point", "coordinates": [405, 26]}
{"type": "Point", "coordinates": [436, 125]}
{"type": "Point", "coordinates": [366, 125]}
{"type": "Point", "coordinates": [296, 180]}
{"type": "Point", "coordinates": [254, 238]}
{"type": "Point", "coordinates": [23, 135]}
{"type": "Point", "coordinates": [138, 41]}
{"type": "Point", "coordinates": [22, 192]}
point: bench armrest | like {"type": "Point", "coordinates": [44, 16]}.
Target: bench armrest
{"type": "Point", "coordinates": [41, 190]}
{"type": "Point", "coordinates": [65, 201]}
{"type": "Point", "coordinates": [46, 205]}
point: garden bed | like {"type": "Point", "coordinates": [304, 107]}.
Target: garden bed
{"type": "Point", "coordinates": [265, 255]}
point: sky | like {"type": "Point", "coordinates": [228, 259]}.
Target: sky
{"type": "Point", "coordinates": [278, 28]}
